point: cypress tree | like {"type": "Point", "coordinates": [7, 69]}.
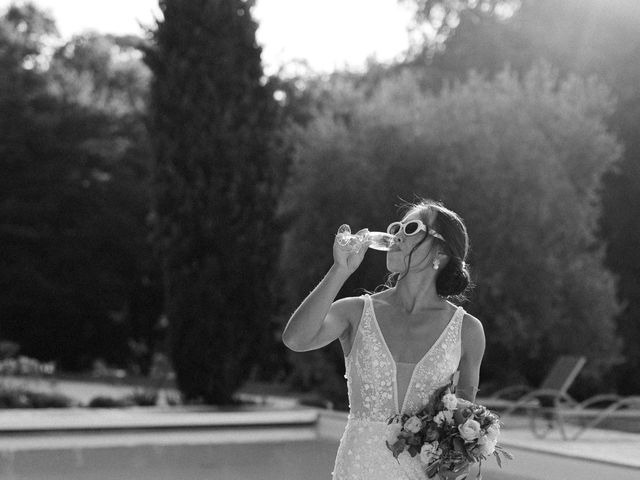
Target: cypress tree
{"type": "Point", "coordinates": [218, 174]}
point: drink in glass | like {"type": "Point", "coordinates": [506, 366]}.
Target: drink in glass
{"type": "Point", "coordinates": [378, 240]}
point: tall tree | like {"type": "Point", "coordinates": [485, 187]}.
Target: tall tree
{"type": "Point", "coordinates": [219, 171]}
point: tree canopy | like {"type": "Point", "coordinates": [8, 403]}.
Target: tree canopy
{"type": "Point", "coordinates": [522, 162]}
{"type": "Point", "coordinates": [73, 200]}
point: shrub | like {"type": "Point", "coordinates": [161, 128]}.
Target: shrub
{"type": "Point", "coordinates": [103, 401]}
{"type": "Point", "coordinates": [21, 398]}
{"type": "Point", "coordinates": [144, 398]}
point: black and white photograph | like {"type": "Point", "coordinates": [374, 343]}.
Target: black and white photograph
{"type": "Point", "coordinates": [320, 240]}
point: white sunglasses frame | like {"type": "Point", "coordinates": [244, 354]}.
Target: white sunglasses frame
{"type": "Point", "coordinates": [421, 228]}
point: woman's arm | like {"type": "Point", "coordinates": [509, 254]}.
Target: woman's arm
{"type": "Point", "coordinates": [318, 320]}
{"type": "Point", "coordinates": [473, 343]}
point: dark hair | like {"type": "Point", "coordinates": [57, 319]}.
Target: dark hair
{"type": "Point", "coordinates": [454, 279]}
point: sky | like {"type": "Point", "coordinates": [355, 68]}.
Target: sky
{"type": "Point", "coordinates": [328, 34]}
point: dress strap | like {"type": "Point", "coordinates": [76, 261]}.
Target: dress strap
{"type": "Point", "coordinates": [458, 322]}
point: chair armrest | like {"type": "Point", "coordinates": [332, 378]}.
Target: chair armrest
{"type": "Point", "coordinates": [620, 404]}
{"type": "Point", "coordinates": [556, 396]}
{"type": "Point", "coordinates": [603, 397]}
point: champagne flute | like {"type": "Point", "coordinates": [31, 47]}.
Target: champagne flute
{"type": "Point", "coordinates": [378, 240]}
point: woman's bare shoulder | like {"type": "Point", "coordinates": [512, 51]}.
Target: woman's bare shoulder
{"type": "Point", "coordinates": [472, 329]}
{"type": "Point", "coordinates": [348, 307]}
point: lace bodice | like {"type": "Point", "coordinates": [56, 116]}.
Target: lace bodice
{"type": "Point", "coordinates": [373, 381]}
{"type": "Point", "coordinates": [373, 376]}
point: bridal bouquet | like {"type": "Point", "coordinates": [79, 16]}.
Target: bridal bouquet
{"type": "Point", "coordinates": [448, 435]}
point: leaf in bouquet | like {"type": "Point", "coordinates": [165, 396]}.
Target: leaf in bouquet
{"type": "Point", "coordinates": [509, 455]}
{"type": "Point", "coordinates": [413, 450]}
{"type": "Point", "coordinates": [460, 465]}
{"type": "Point", "coordinates": [471, 456]}
{"type": "Point", "coordinates": [390, 447]}
{"type": "Point", "coordinates": [460, 415]}
{"type": "Point", "coordinates": [458, 445]}
{"type": "Point", "coordinates": [415, 440]}
{"type": "Point", "coordinates": [498, 459]}
{"type": "Point", "coordinates": [433, 468]}
{"type": "Point", "coordinates": [398, 447]}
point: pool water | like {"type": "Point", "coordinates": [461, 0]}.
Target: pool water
{"type": "Point", "coordinates": [249, 454]}
{"type": "Point", "coordinates": [291, 452]}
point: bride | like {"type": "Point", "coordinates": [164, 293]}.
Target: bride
{"type": "Point", "coordinates": [400, 345]}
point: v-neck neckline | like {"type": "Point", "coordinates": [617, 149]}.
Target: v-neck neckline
{"type": "Point", "coordinates": [415, 365]}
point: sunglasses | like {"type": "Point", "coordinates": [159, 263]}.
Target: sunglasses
{"type": "Point", "coordinates": [411, 228]}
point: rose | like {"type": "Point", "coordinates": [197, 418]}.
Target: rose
{"type": "Point", "coordinates": [486, 446]}
{"type": "Point", "coordinates": [450, 401]}
{"type": "Point", "coordinates": [413, 424]}
{"type": "Point", "coordinates": [393, 432]}
{"type": "Point", "coordinates": [430, 452]}
{"type": "Point", "coordinates": [469, 430]}
{"type": "Point", "coordinates": [443, 416]}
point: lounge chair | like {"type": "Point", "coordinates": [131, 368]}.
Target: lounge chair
{"type": "Point", "coordinates": [551, 405]}
{"type": "Point", "coordinates": [580, 417]}
{"type": "Point", "coordinates": [554, 386]}
{"type": "Point", "coordinates": [540, 403]}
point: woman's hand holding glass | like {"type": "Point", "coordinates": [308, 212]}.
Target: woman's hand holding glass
{"type": "Point", "coordinates": [349, 249]}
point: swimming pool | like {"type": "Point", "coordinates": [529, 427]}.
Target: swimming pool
{"type": "Point", "coordinates": [242, 452]}
{"type": "Point", "coordinates": [250, 452]}
{"type": "Point", "coordinates": [179, 458]}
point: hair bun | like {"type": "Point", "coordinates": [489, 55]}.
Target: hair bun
{"type": "Point", "coordinates": [454, 279]}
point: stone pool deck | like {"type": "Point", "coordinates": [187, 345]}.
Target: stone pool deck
{"type": "Point", "coordinates": [44, 428]}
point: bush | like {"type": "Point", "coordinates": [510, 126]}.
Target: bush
{"type": "Point", "coordinates": [140, 398]}
{"type": "Point", "coordinates": [144, 398]}
{"type": "Point", "coordinates": [21, 398]}
{"type": "Point", "coordinates": [103, 401]}
{"type": "Point", "coordinates": [25, 366]}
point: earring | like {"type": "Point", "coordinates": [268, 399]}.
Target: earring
{"type": "Point", "coordinates": [436, 264]}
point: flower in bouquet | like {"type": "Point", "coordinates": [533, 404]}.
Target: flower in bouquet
{"type": "Point", "coordinates": [469, 430]}
{"type": "Point", "coordinates": [393, 432]}
{"type": "Point", "coordinates": [450, 401]}
{"type": "Point", "coordinates": [413, 424]}
{"type": "Point", "coordinates": [448, 435]}
{"type": "Point", "coordinates": [430, 452]}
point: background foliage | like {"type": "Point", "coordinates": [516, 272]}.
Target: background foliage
{"type": "Point", "coordinates": [584, 37]}
{"type": "Point", "coordinates": [520, 160]}
{"type": "Point", "coordinates": [77, 277]}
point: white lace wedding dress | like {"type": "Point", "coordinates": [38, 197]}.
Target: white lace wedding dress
{"type": "Point", "coordinates": [379, 387]}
